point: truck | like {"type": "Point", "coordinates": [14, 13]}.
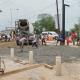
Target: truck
{"type": "Point", "coordinates": [23, 28]}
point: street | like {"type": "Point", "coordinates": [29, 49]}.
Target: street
{"type": "Point", "coordinates": [45, 54]}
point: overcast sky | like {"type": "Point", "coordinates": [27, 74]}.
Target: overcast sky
{"type": "Point", "coordinates": [30, 9]}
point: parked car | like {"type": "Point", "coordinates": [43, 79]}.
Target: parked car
{"type": "Point", "coordinates": [51, 33]}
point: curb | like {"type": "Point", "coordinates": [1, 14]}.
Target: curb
{"type": "Point", "coordinates": [22, 69]}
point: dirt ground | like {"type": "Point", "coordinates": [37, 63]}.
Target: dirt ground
{"type": "Point", "coordinates": [7, 44]}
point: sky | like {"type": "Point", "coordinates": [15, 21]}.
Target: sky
{"type": "Point", "coordinates": [30, 9]}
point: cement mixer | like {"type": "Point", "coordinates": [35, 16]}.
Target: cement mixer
{"type": "Point", "coordinates": [23, 27]}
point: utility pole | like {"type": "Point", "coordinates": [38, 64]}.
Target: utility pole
{"type": "Point", "coordinates": [17, 13]}
{"type": "Point", "coordinates": [57, 15]}
{"type": "Point", "coordinates": [0, 10]}
{"type": "Point", "coordinates": [63, 20]}
{"type": "Point", "coordinates": [11, 16]}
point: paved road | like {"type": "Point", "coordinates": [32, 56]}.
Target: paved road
{"type": "Point", "coordinates": [46, 54]}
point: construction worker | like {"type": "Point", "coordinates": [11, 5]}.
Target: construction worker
{"type": "Point", "coordinates": [43, 40]}
{"type": "Point", "coordinates": [21, 42]}
{"type": "Point", "coordinates": [35, 41]}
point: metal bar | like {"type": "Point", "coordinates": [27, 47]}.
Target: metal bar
{"type": "Point", "coordinates": [58, 15]}
{"type": "Point", "coordinates": [0, 62]}
{"type": "Point", "coordinates": [63, 21]}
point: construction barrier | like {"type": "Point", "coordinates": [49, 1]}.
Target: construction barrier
{"type": "Point", "coordinates": [30, 57]}
{"type": "Point", "coordinates": [58, 66]}
{"type": "Point", "coordinates": [12, 53]}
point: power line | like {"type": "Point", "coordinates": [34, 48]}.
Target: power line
{"type": "Point", "coordinates": [4, 2]}
{"type": "Point", "coordinates": [41, 10]}
{"type": "Point", "coordinates": [7, 2]}
{"type": "Point", "coordinates": [75, 3]}
{"type": "Point", "coordinates": [10, 1]}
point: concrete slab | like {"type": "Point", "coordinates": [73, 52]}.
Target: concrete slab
{"type": "Point", "coordinates": [70, 71]}
{"type": "Point", "coordinates": [11, 66]}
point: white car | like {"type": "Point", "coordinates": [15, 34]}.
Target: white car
{"type": "Point", "coordinates": [51, 33]}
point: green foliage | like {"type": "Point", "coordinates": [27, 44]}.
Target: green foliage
{"type": "Point", "coordinates": [76, 28]}
{"type": "Point", "coordinates": [44, 22]}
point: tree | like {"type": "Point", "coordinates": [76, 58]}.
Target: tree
{"type": "Point", "coordinates": [37, 27]}
{"type": "Point", "coordinates": [76, 28]}
{"type": "Point", "coordinates": [44, 22]}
